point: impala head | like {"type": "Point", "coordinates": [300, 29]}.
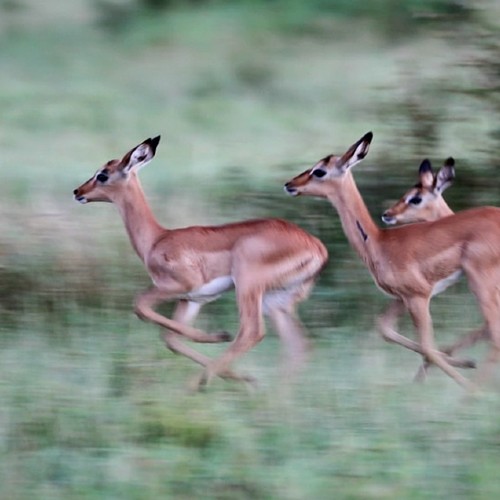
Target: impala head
{"type": "Point", "coordinates": [317, 180]}
{"type": "Point", "coordinates": [112, 176]}
{"type": "Point", "coordinates": [424, 201]}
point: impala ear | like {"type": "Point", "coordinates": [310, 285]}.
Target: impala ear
{"type": "Point", "coordinates": [141, 155]}
{"type": "Point", "coordinates": [426, 174]}
{"type": "Point", "coordinates": [446, 175]}
{"type": "Point", "coordinates": [355, 153]}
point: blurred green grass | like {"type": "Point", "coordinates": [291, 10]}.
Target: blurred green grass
{"type": "Point", "coordinates": [245, 96]}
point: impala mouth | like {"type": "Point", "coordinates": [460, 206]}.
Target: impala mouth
{"type": "Point", "coordinates": [388, 219]}
{"type": "Point", "coordinates": [81, 199]}
{"type": "Point", "coordinates": [291, 190]}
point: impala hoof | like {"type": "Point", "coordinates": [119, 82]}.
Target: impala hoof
{"type": "Point", "coordinates": [470, 363]}
{"type": "Point", "coordinates": [202, 381]}
{"type": "Point", "coordinates": [461, 363]}
{"type": "Point", "coordinates": [224, 337]}
{"type": "Point", "coordinates": [251, 383]}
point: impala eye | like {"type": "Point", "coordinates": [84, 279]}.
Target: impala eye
{"type": "Point", "coordinates": [102, 177]}
{"type": "Point", "coordinates": [416, 200]}
{"type": "Point", "coordinates": [319, 172]}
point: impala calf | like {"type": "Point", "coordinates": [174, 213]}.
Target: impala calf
{"type": "Point", "coordinates": [424, 202]}
{"type": "Point", "coordinates": [271, 264]}
{"type": "Point", "coordinates": [414, 262]}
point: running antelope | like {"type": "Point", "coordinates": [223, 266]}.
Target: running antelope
{"type": "Point", "coordinates": [414, 262]}
{"type": "Point", "coordinates": [271, 264]}
{"type": "Point", "coordinates": [424, 202]}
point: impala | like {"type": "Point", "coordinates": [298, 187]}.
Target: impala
{"type": "Point", "coordinates": [271, 264]}
{"type": "Point", "coordinates": [424, 202]}
{"type": "Point", "coordinates": [414, 262]}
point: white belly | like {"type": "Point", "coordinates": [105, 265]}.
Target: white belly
{"type": "Point", "coordinates": [211, 290]}
{"type": "Point", "coordinates": [442, 285]}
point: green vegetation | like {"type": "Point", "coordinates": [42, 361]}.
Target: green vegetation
{"type": "Point", "coordinates": [246, 95]}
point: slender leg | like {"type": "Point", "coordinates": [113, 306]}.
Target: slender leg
{"type": "Point", "coordinates": [251, 332]}
{"type": "Point", "coordinates": [489, 303]}
{"type": "Point", "coordinates": [280, 307]}
{"type": "Point", "coordinates": [185, 312]}
{"type": "Point", "coordinates": [484, 372]}
{"type": "Point", "coordinates": [467, 340]}
{"type": "Point", "coordinates": [388, 321]}
{"type": "Point", "coordinates": [147, 300]}
{"type": "Point", "coordinates": [483, 283]}
{"type": "Point", "coordinates": [418, 307]}
{"type": "Point", "coordinates": [295, 344]}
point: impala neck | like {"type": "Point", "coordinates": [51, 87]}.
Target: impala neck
{"type": "Point", "coordinates": [140, 223]}
{"type": "Point", "coordinates": [442, 210]}
{"type": "Point", "coordinates": [362, 233]}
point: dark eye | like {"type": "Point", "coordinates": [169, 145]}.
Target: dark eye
{"type": "Point", "coordinates": [102, 177]}
{"type": "Point", "coordinates": [318, 172]}
{"type": "Point", "coordinates": [416, 200]}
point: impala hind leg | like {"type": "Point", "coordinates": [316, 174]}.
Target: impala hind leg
{"type": "Point", "coordinates": [296, 346]}
{"type": "Point", "coordinates": [468, 340]}
{"type": "Point", "coordinates": [280, 307]}
{"type": "Point", "coordinates": [144, 308]}
{"type": "Point", "coordinates": [489, 303]}
{"type": "Point", "coordinates": [251, 332]}
{"type": "Point", "coordinates": [484, 373]}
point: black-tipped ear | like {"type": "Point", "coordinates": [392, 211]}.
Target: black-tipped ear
{"type": "Point", "coordinates": [367, 137]}
{"type": "Point", "coordinates": [355, 153]}
{"type": "Point", "coordinates": [425, 167]}
{"type": "Point", "coordinates": [153, 143]}
{"type": "Point", "coordinates": [365, 141]}
{"type": "Point", "coordinates": [446, 175]}
{"type": "Point", "coordinates": [141, 155]}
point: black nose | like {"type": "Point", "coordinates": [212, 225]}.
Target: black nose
{"type": "Point", "coordinates": [75, 191]}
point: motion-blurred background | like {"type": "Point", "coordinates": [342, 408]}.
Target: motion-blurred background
{"type": "Point", "coordinates": [246, 94]}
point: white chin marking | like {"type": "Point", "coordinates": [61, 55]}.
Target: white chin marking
{"type": "Point", "coordinates": [81, 200]}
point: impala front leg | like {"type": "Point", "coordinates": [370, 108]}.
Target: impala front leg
{"type": "Point", "coordinates": [147, 300]}
{"type": "Point", "coordinates": [418, 307]}
{"type": "Point", "coordinates": [466, 341]}
{"type": "Point", "coordinates": [185, 312]}
{"type": "Point", "coordinates": [389, 320]}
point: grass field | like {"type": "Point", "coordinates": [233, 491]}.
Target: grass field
{"type": "Point", "coordinates": [245, 96]}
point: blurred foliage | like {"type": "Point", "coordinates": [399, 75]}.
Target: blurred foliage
{"type": "Point", "coordinates": [392, 18]}
{"type": "Point", "coordinates": [482, 60]}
